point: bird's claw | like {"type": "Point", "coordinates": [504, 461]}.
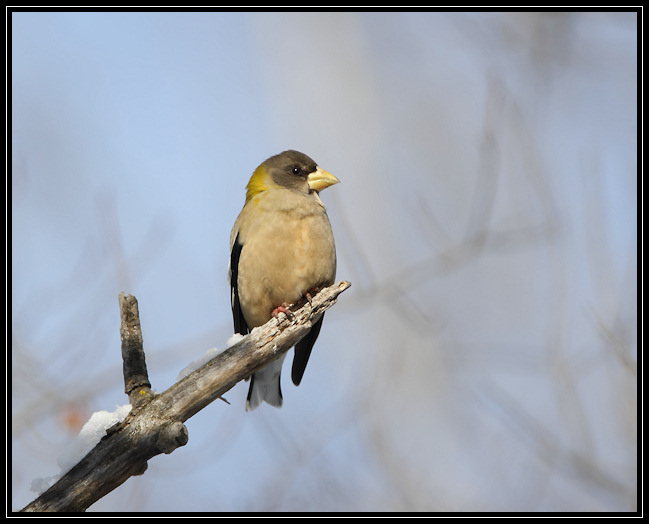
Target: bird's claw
{"type": "Point", "coordinates": [311, 293]}
{"type": "Point", "coordinates": [284, 308]}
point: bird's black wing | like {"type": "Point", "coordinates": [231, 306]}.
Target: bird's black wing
{"type": "Point", "coordinates": [240, 325]}
{"type": "Point", "coordinates": [303, 352]}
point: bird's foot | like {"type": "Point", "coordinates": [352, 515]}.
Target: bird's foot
{"type": "Point", "coordinates": [284, 308]}
{"type": "Point", "coordinates": [311, 293]}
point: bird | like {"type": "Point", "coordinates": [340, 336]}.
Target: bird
{"type": "Point", "coordinates": [281, 250]}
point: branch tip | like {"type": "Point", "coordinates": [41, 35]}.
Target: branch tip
{"type": "Point", "coordinates": [136, 377]}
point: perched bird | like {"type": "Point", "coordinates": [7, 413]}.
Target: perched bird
{"type": "Point", "coordinates": [281, 249]}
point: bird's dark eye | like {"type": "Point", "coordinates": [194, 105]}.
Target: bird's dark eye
{"type": "Point", "coordinates": [296, 171]}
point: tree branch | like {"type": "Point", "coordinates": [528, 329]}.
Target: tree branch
{"type": "Point", "coordinates": [155, 423]}
{"type": "Point", "coordinates": [136, 378]}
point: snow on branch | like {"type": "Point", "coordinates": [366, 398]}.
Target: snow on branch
{"type": "Point", "coordinates": [154, 424]}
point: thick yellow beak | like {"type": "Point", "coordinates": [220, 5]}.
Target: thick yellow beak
{"type": "Point", "coordinates": [321, 179]}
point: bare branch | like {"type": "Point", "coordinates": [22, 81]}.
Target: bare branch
{"type": "Point", "coordinates": [136, 378]}
{"type": "Point", "coordinates": [155, 423]}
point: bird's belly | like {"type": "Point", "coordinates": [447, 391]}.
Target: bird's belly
{"type": "Point", "coordinates": [295, 261]}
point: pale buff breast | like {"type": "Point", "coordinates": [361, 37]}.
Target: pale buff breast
{"type": "Point", "coordinates": [288, 249]}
